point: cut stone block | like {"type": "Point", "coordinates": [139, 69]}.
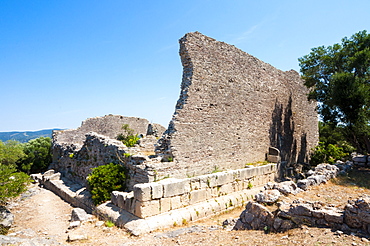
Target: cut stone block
{"type": "Point", "coordinates": [157, 190]}
{"type": "Point", "coordinates": [198, 196]}
{"type": "Point", "coordinates": [143, 192]}
{"type": "Point", "coordinates": [224, 178]}
{"type": "Point", "coordinates": [165, 204]}
{"type": "Point", "coordinates": [176, 202]}
{"type": "Point", "coordinates": [175, 187]}
{"type": "Point", "coordinates": [147, 209]}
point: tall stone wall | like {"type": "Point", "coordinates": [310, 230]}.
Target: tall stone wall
{"type": "Point", "coordinates": [232, 107]}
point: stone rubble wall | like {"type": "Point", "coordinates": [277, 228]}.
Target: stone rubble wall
{"type": "Point", "coordinates": [76, 152]}
{"type": "Point", "coordinates": [355, 215]}
{"type": "Point", "coordinates": [232, 108]}
{"type": "Point", "coordinates": [154, 198]}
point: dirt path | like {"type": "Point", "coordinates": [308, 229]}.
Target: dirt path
{"type": "Point", "coordinates": [47, 216]}
{"type": "Point", "coordinates": [42, 214]}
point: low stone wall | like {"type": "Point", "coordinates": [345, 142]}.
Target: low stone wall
{"type": "Point", "coordinates": [72, 193]}
{"type": "Point", "coordinates": [355, 215]}
{"type": "Point", "coordinates": [154, 198]}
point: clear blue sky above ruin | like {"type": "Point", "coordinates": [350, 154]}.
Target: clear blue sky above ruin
{"type": "Point", "coordinates": [64, 61]}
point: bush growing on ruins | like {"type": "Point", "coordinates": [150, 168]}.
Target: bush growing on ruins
{"type": "Point", "coordinates": [105, 179]}
{"type": "Point", "coordinates": [128, 137]}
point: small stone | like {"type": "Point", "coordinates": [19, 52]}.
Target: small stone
{"type": "Point", "coordinates": [99, 223]}
{"type": "Point", "coordinates": [74, 224]}
{"type": "Point", "coordinates": [354, 243]}
{"type": "Point", "coordinates": [76, 237]}
{"type": "Point", "coordinates": [364, 240]}
{"type": "Point", "coordinates": [284, 237]}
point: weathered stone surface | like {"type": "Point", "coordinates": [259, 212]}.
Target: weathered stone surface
{"type": "Point", "coordinates": [76, 236]}
{"type": "Point", "coordinates": [268, 196]}
{"type": "Point", "coordinates": [232, 108]}
{"type": "Point", "coordinates": [6, 218]}
{"type": "Point", "coordinates": [17, 241]}
{"type": "Point", "coordinates": [157, 190]}
{"type": "Point", "coordinates": [174, 187]}
{"type": "Point", "coordinates": [78, 214]}
{"type": "Point", "coordinates": [76, 152]}
{"type": "Point", "coordinates": [147, 209]}
{"type": "Point", "coordinates": [254, 217]}
{"type": "Point", "coordinates": [286, 187]}
{"type": "Point", "coordinates": [74, 224]}
{"type": "Point", "coordinates": [143, 192]}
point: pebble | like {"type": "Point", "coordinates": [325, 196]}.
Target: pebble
{"type": "Point", "coordinates": [364, 240]}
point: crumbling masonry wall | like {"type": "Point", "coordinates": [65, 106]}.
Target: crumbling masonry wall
{"type": "Point", "coordinates": [232, 107]}
{"type": "Point", "coordinates": [77, 151]}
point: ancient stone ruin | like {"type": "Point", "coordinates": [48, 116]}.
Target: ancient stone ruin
{"type": "Point", "coordinates": [77, 151]}
{"type": "Point", "coordinates": [232, 108]}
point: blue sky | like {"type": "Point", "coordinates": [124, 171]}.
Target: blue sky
{"type": "Point", "coordinates": [62, 62]}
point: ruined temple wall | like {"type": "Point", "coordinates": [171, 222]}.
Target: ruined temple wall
{"type": "Point", "coordinates": [232, 107]}
{"type": "Point", "coordinates": [77, 151]}
{"type": "Point", "coordinates": [109, 125]}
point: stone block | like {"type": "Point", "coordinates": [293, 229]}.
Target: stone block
{"type": "Point", "coordinates": [224, 178]}
{"type": "Point", "coordinates": [175, 202]}
{"type": "Point", "coordinates": [226, 189]}
{"type": "Point", "coordinates": [246, 173]}
{"type": "Point", "coordinates": [237, 185]}
{"type": "Point", "coordinates": [55, 176]}
{"type": "Point", "coordinates": [210, 180]}
{"type": "Point", "coordinates": [147, 209]}
{"type": "Point", "coordinates": [48, 173]}
{"type": "Point", "coordinates": [157, 190]}
{"type": "Point", "coordinates": [143, 192]}
{"type": "Point", "coordinates": [197, 196]}
{"type": "Point", "coordinates": [165, 204]}
{"type": "Point", "coordinates": [195, 183]}
{"type": "Point", "coordinates": [273, 158]}
{"type": "Point", "coordinates": [175, 187]}
{"type": "Point", "coordinates": [185, 199]}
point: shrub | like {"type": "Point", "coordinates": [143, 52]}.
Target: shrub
{"type": "Point", "coordinates": [327, 153]}
{"type": "Point", "coordinates": [128, 138]}
{"type": "Point", "coordinates": [12, 183]}
{"type": "Point", "coordinates": [105, 179]}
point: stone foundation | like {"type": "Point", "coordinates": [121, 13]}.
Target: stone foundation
{"type": "Point", "coordinates": [154, 198]}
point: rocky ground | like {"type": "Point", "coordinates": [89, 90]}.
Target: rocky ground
{"type": "Point", "coordinates": [42, 218]}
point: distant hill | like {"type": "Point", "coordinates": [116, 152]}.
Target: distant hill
{"type": "Point", "coordinates": [24, 137]}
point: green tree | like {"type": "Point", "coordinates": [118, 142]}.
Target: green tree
{"type": "Point", "coordinates": [37, 155]}
{"type": "Point", "coordinates": [339, 78]}
{"type": "Point", "coordinates": [10, 152]}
